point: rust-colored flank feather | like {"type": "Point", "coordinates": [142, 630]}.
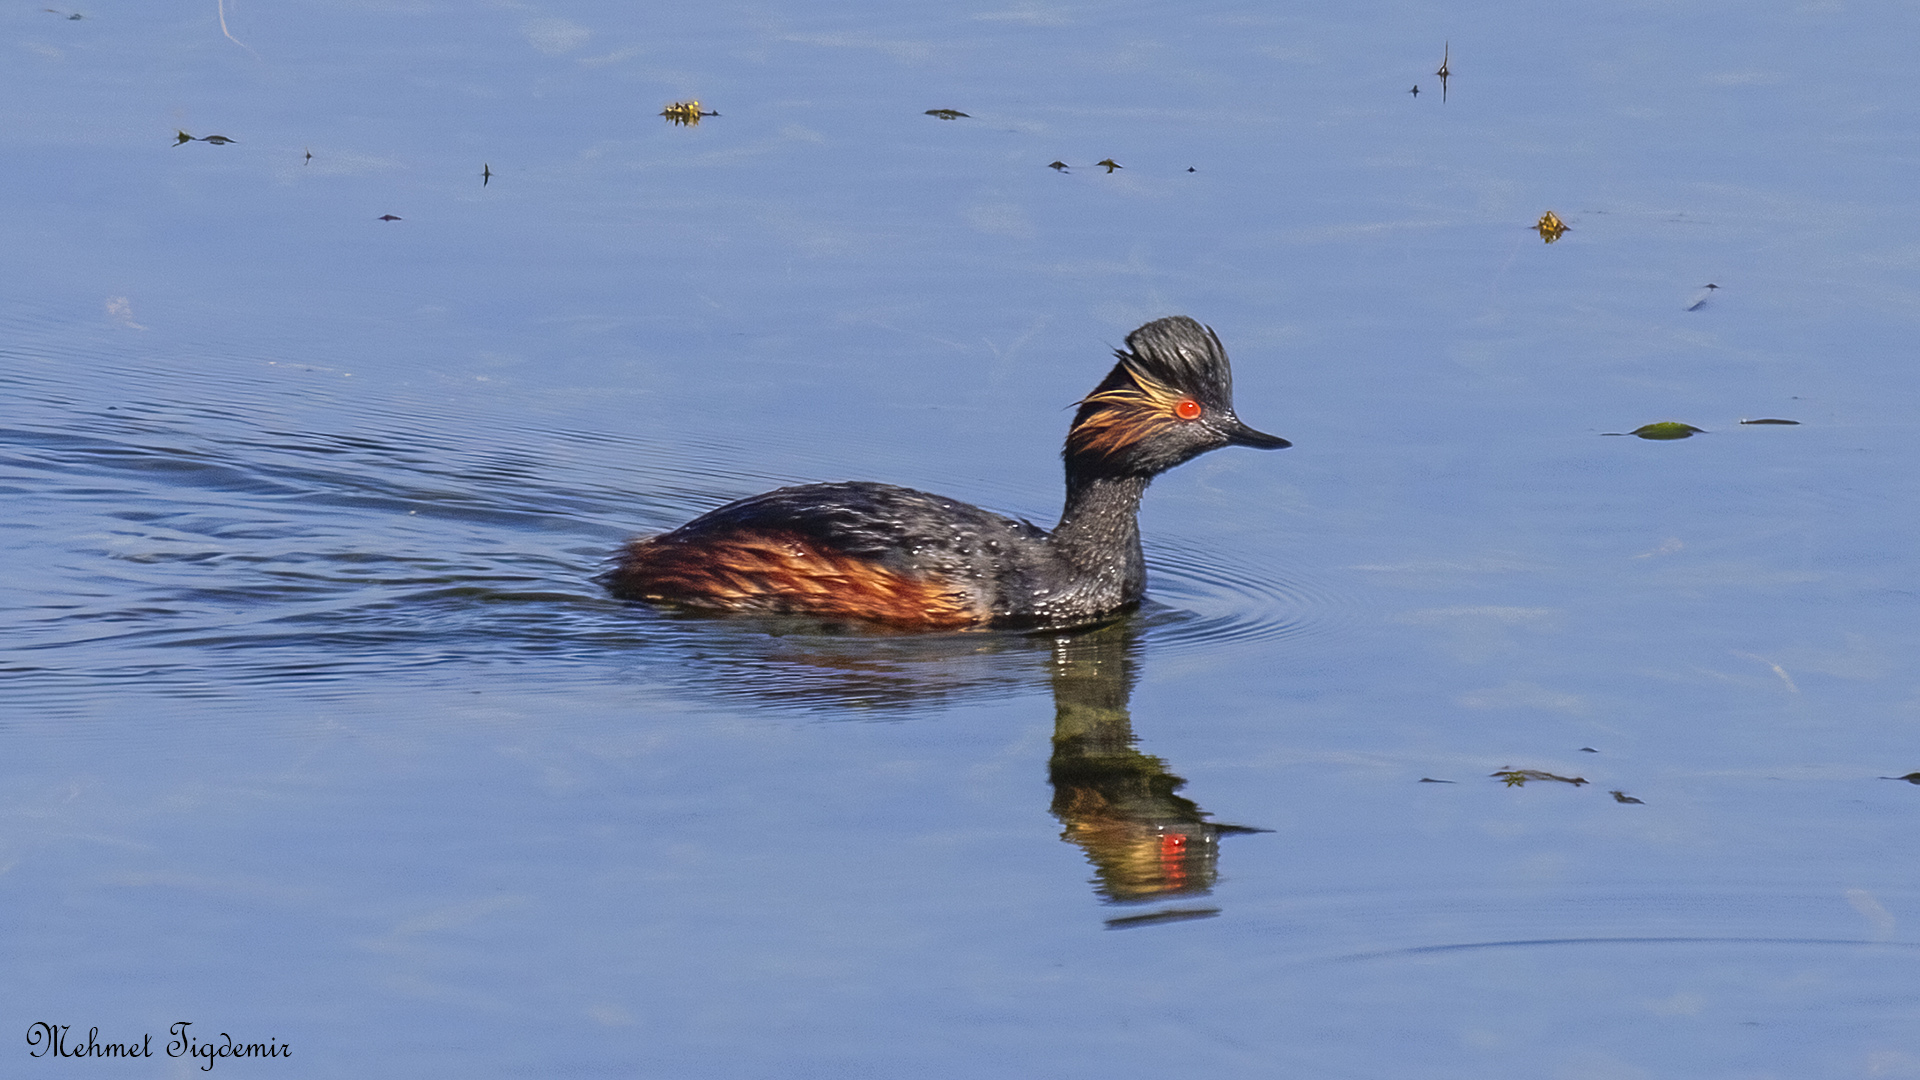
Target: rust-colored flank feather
{"type": "Point", "coordinates": [773, 572]}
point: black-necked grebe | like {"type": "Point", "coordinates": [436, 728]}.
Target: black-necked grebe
{"type": "Point", "coordinates": [907, 558]}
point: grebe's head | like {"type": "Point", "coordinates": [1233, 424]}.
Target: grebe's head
{"type": "Point", "coordinates": [1168, 400]}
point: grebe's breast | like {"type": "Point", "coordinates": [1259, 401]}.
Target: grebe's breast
{"type": "Point", "coordinates": [849, 550]}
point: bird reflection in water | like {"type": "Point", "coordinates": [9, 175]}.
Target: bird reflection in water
{"type": "Point", "coordinates": [1120, 806]}
{"type": "Point", "coordinates": [1145, 842]}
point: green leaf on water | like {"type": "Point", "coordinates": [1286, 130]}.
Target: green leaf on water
{"type": "Point", "coordinates": [1667, 429]}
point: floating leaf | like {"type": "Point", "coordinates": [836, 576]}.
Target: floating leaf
{"type": "Point", "coordinates": [1666, 429]}
{"type": "Point", "coordinates": [1550, 227]}
{"type": "Point", "coordinates": [1621, 796]}
{"type": "Point", "coordinates": [1108, 164]}
{"type": "Point", "coordinates": [1770, 420]}
{"type": "Point", "coordinates": [685, 113]}
{"type": "Point", "coordinates": [1519, 777]}
{"type": "Point", "coordinates": [946, 114]}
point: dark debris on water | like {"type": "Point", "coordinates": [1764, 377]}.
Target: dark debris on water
{"type": "Point", "coordinates": [1519, 777]}
{"type": "Point", "coordinates": [1155, 918]}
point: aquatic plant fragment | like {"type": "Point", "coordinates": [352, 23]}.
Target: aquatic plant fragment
{"type": "Point", "coordinates": [1108, 164]}
{"type": "Point", "coordinates": [946, 114]}
{"type": "Point", "coordinates": [1550, 227]}
{"type": "Point", "coordinates": [1667, 429]}
{"type": "Point", "coordinates": [1623, 797]}
{"type": "Point", "coordinates": [1519, 777]}
{"type": "Point", "coordinates": [685, 114]}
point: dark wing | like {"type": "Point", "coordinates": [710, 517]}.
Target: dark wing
{"type": "Point", "coordinates": [876, 521]}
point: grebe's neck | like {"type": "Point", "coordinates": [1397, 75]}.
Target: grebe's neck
{"type": "Point", "coordinates": [1099, 531]}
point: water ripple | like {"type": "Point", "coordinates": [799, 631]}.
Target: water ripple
{"type": "Point", "coordinates": [1201, 599]}
{"type": "Point", "coordinates": [210, 525]}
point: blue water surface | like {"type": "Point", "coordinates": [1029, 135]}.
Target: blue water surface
{"type": "Point", "coordinates": [316, 727]}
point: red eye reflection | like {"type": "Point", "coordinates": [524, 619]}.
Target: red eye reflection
{"type": "Point", "coordinates": [1187, 409]}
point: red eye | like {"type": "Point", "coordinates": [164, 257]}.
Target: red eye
{"type": "Point", "coordinates": [1187, 409]}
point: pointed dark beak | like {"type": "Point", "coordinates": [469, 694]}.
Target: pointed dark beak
{"type": "Point", "coordinates": [1239, 434]}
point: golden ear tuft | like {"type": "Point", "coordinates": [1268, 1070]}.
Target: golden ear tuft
{"type": "Point", "coordinates": [1125, 416]}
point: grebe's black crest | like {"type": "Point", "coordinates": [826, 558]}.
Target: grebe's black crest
{"type": "Point", "coordinates": [1168, 400]}
{"type": "Point", "coordinates": [892, 555]}
{"type": "Point", "coordinates": [1181, 353]}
